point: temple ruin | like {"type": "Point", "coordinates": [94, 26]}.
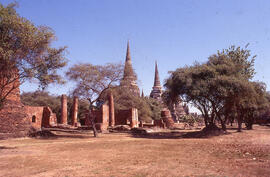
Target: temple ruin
{"type": "Point", "coordinates": [129, 78]}
{"type": "Point", "coordinates": [16, 118]}
{"type": "Point", "coordinates": [156, 89]}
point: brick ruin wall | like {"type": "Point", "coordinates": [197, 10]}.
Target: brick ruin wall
{"type": "Point", "coordinates": [34, 116]}
{"type": "Point", "coordinates": [101, 118]}
{"type": "Point", "coordinates": [167, 118]}
{"type": "Point", "coordinates": [127, 117]}
{"type": "Point", "coordinates": [13, 119]}
{"type": "Point", "coordinates": [121, 117]}
{"type": "Point", "coordinates": [49, 118]}
{"type": "Point", "coordinates": [17, 119]}
{"type": "Point", "coordinates": [13, 116]}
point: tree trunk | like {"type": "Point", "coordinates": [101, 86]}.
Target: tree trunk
{"type": "Point", "coordinates": [223, 125]}
{"type": "Point", "coordinates": [205, 121]}
{"type": "Point", "coordinates": [94, 127]}
{"type": "Point", "coordinates": [239, 124]}
{"type": "Point", "coordinates": [249, 125]}
{"type": "Point", "coordinates": [92, 120]}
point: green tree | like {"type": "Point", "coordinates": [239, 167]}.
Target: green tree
{"type": "Point", "coordinates": [251, 105]}
{"type": "Point", "coordinates": [155, 106]}
{"type": "Point", "coordinates": [216, 87]}
{"type": "Point", "coordinates": [26, 52]}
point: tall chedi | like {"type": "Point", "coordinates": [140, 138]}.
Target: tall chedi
{"type": "Point", "coordinates": [129, 79]}
{"type": "Point", "coordinates": [156, 89]}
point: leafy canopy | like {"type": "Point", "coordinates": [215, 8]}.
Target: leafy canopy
{"type": "Point", "coordinates": [216, 86]}
{"type": "Point", "coordinates": [26, 52]}
{"type": "Point", "coordinates": [93, 80]}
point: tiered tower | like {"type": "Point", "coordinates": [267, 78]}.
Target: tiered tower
{"type": "Point", "coordinates": [129, 79]}
{"type": "Point", "coordinates": [156, 89]}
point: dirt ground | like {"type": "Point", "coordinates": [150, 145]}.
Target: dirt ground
{"type": "Point", "coordinates": [122, 154]}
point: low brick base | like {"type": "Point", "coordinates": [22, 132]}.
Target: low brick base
{"type": "Point", "coordinates": [14, 119]}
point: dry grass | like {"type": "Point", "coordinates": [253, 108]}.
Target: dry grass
{"type": "Point", "coordinates": [164, 154]}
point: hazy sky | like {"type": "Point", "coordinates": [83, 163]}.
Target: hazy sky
{"type": "Point", "coordinates": [172, 32]}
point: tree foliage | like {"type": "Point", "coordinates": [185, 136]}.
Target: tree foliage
{"type": "Point", "coordinates": [26, 52]}
{"type": "Point", "coordinates": [221, 87]}
{"type": "Point", "coordinates": [93, 80]}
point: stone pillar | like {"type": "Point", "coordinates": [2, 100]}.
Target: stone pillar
{"type": "Point", "coordinates": [134, 118]}
{"type": "Point", "coordinates": [63, 110]}
{"type": "Point", "coordinates": [74, 116]}
{"type": "Point", "coordinates": [111, 110]}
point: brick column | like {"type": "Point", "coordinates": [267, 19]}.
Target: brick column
{"type": "Point", "coordinates": [63, 110]}
{"type": "Point", "coordinates": [111, 111]}
{"type": "Point", "coordinates": [74, 116]}
{"type": "Point", "coordinates": [167, 118]}
{"type": "Point", "coordinates": [134, 118]}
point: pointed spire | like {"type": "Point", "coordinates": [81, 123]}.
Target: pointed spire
{"type": "Point", "coordinates": [142, 94]}
{"type": "Point", "coordinates": [128, 58]}
{"type": "Point", "coordinates": [130, 77]}
{"type": "Point", "coordinates": [128, 71]}
{"type": "Point", "coordinates": [156, 81]}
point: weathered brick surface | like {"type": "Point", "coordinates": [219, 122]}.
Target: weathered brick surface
{"type": "Point", "coordinates": [111, 111]}
{"type": "Point", "coordinates": [102, 117]}
{"type": "Point", "coordinates": [134, 121]}
{"type": "Point", "coordinates": [49, 118]}
{"type": "Point", "coordinates": [159, 123]}
{"type": "Point", "coordinates": [167, 118]}
{"type": "Point", "coordinates": [63, 119]}
{"type": "Point", "coordinates": [127, 117]}
{"type": "Point", "coordinates": [34, 115]}
{"type": "Point", "coordinates": [74, 115]}
{"type": "Point", "coordinates": [17, 119]}
{"type": "Point", "coordinates": [13, 119]}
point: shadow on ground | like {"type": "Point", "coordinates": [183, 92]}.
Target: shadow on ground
{"type": "Point", "coordinates": [5, 147]}
{"type": "Point", "coordinates": [138, 133]}
{"type": "Point", "coordinates": [58, 133]}
{"type": "Point", "coordinates": [178, 135]}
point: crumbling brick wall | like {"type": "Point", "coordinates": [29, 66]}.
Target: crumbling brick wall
{"type": "Point", "coordinates": [13, 119]}
{"type": "Point", "coordinates": [159, 123]}
{"type": "Point", "coordinates": [101, 118]}
{"type": "Point", "coordinates": [167, 118]}
{"type": "Point", "coordinates": [48, 118]}
{"type": "Point", "coordinates": [34, 115]}
{"type": "Point", "coordinates": [17, 119]}
{"type": "Point", "coordinates": [127, 117]}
